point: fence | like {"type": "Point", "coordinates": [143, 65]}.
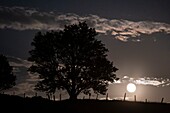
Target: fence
{"type": "Point", "coordinates": [53, 97]}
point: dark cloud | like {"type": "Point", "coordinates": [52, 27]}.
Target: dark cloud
{"type": "Point", "coordinates": [21, 18]}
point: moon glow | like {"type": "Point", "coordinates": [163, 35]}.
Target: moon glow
{"type": "Point", "coordinates": [131, 87]}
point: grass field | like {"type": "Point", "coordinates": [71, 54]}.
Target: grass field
{"type": "Point", "coordinates": [16, 104]}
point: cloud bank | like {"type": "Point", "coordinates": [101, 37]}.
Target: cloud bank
{"type": "Point", "coordinates": [25, 81]}
{"type": "Point", "coordinates": [152, 81]}
{"type": "Point", "coordinates": [22, 18]}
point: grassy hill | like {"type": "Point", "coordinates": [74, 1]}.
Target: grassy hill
{"type": "Point", "coordinates": [16, 104]}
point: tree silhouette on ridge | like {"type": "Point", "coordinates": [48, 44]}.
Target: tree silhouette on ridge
{"type": "Point", "coordinates": [7, 79]}
{"type": "Point", "coordinates": [71, 59]}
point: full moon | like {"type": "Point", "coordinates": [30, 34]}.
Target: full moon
{"type": "Point", "coordinates": [131, 87]}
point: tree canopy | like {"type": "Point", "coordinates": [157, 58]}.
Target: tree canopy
{"type": "Point", "coordinates": [7, 79]}
{"type": "Point", "coordinates": [71, 59]}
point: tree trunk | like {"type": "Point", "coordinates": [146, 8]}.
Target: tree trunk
{"type": "Point", "coordinates": [73, 97]}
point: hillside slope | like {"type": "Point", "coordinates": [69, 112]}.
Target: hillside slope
{"type": "Point", "coordinates": [18, 104]}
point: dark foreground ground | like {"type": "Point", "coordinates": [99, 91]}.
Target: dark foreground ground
{"type": "Point", "coordinates": [16, 104]}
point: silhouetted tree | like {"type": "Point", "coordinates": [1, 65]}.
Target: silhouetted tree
{"type": "Point", "coordinates": [7, 79]}
{"type": "Point", "coordinates": [71, 59]}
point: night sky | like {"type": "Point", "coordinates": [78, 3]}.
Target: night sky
{"type": "Point", "coordinates": [137, 34]}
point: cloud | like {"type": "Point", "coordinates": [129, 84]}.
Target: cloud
{"type": "Point", "coordinates": [122, 38]}
{"type": "Point", "coordinates": [25, 81]}
{"type": "Point", "coordinates": [18, 62]}
{"type": "Point", "coordinates": [122, 98]}
{"type": "Point", "coordinates": [23, 18]}
{"type": "Point", "coordinates": [149, 81]}
{"type": "Point", "coordinates": [152, 81]}
{"type": "Point", "coordinates": [104, 98]}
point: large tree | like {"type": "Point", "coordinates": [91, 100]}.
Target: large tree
{"type": "Point", "coordinates": [71, 59]}
{"type": "Point", "coordinates": [7, 79]}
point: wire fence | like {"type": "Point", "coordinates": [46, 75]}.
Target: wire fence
{"type": "Point", "coordinates": [58, 97]}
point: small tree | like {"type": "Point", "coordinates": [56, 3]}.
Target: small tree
{"type": "Point", "coordinates": [71, 59]}
{"type": "Point", "coordinates": [7, 79]}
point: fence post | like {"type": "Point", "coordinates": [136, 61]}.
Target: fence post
{"type": "Point", "coordinates": [60, 96]}
{"type": "Point", "coordinates": [24, 95]}
{"type": "Point", "coordinates": [135, 98]}
{"type": "Point", "coordinates": [54, 97]}
{"type": "Point", "coordinates": [107, 96]}
{"type": "Point", "coordinates": [97, 96]}
{"type": "Point", "coordinates": [83, 97]}
{"type": "Point", "coordinates": [145, 100]}
{"type": "Point", "coordinates": [36, 94]}
{"type": "Point", "coordinates": [162, 100]}
{"type": "Point", "coordinates": [89, 95]}
{"type": "Point", "coordinates": [48, 96]}
{"type": "Point", "coordinates": [124, 97]}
